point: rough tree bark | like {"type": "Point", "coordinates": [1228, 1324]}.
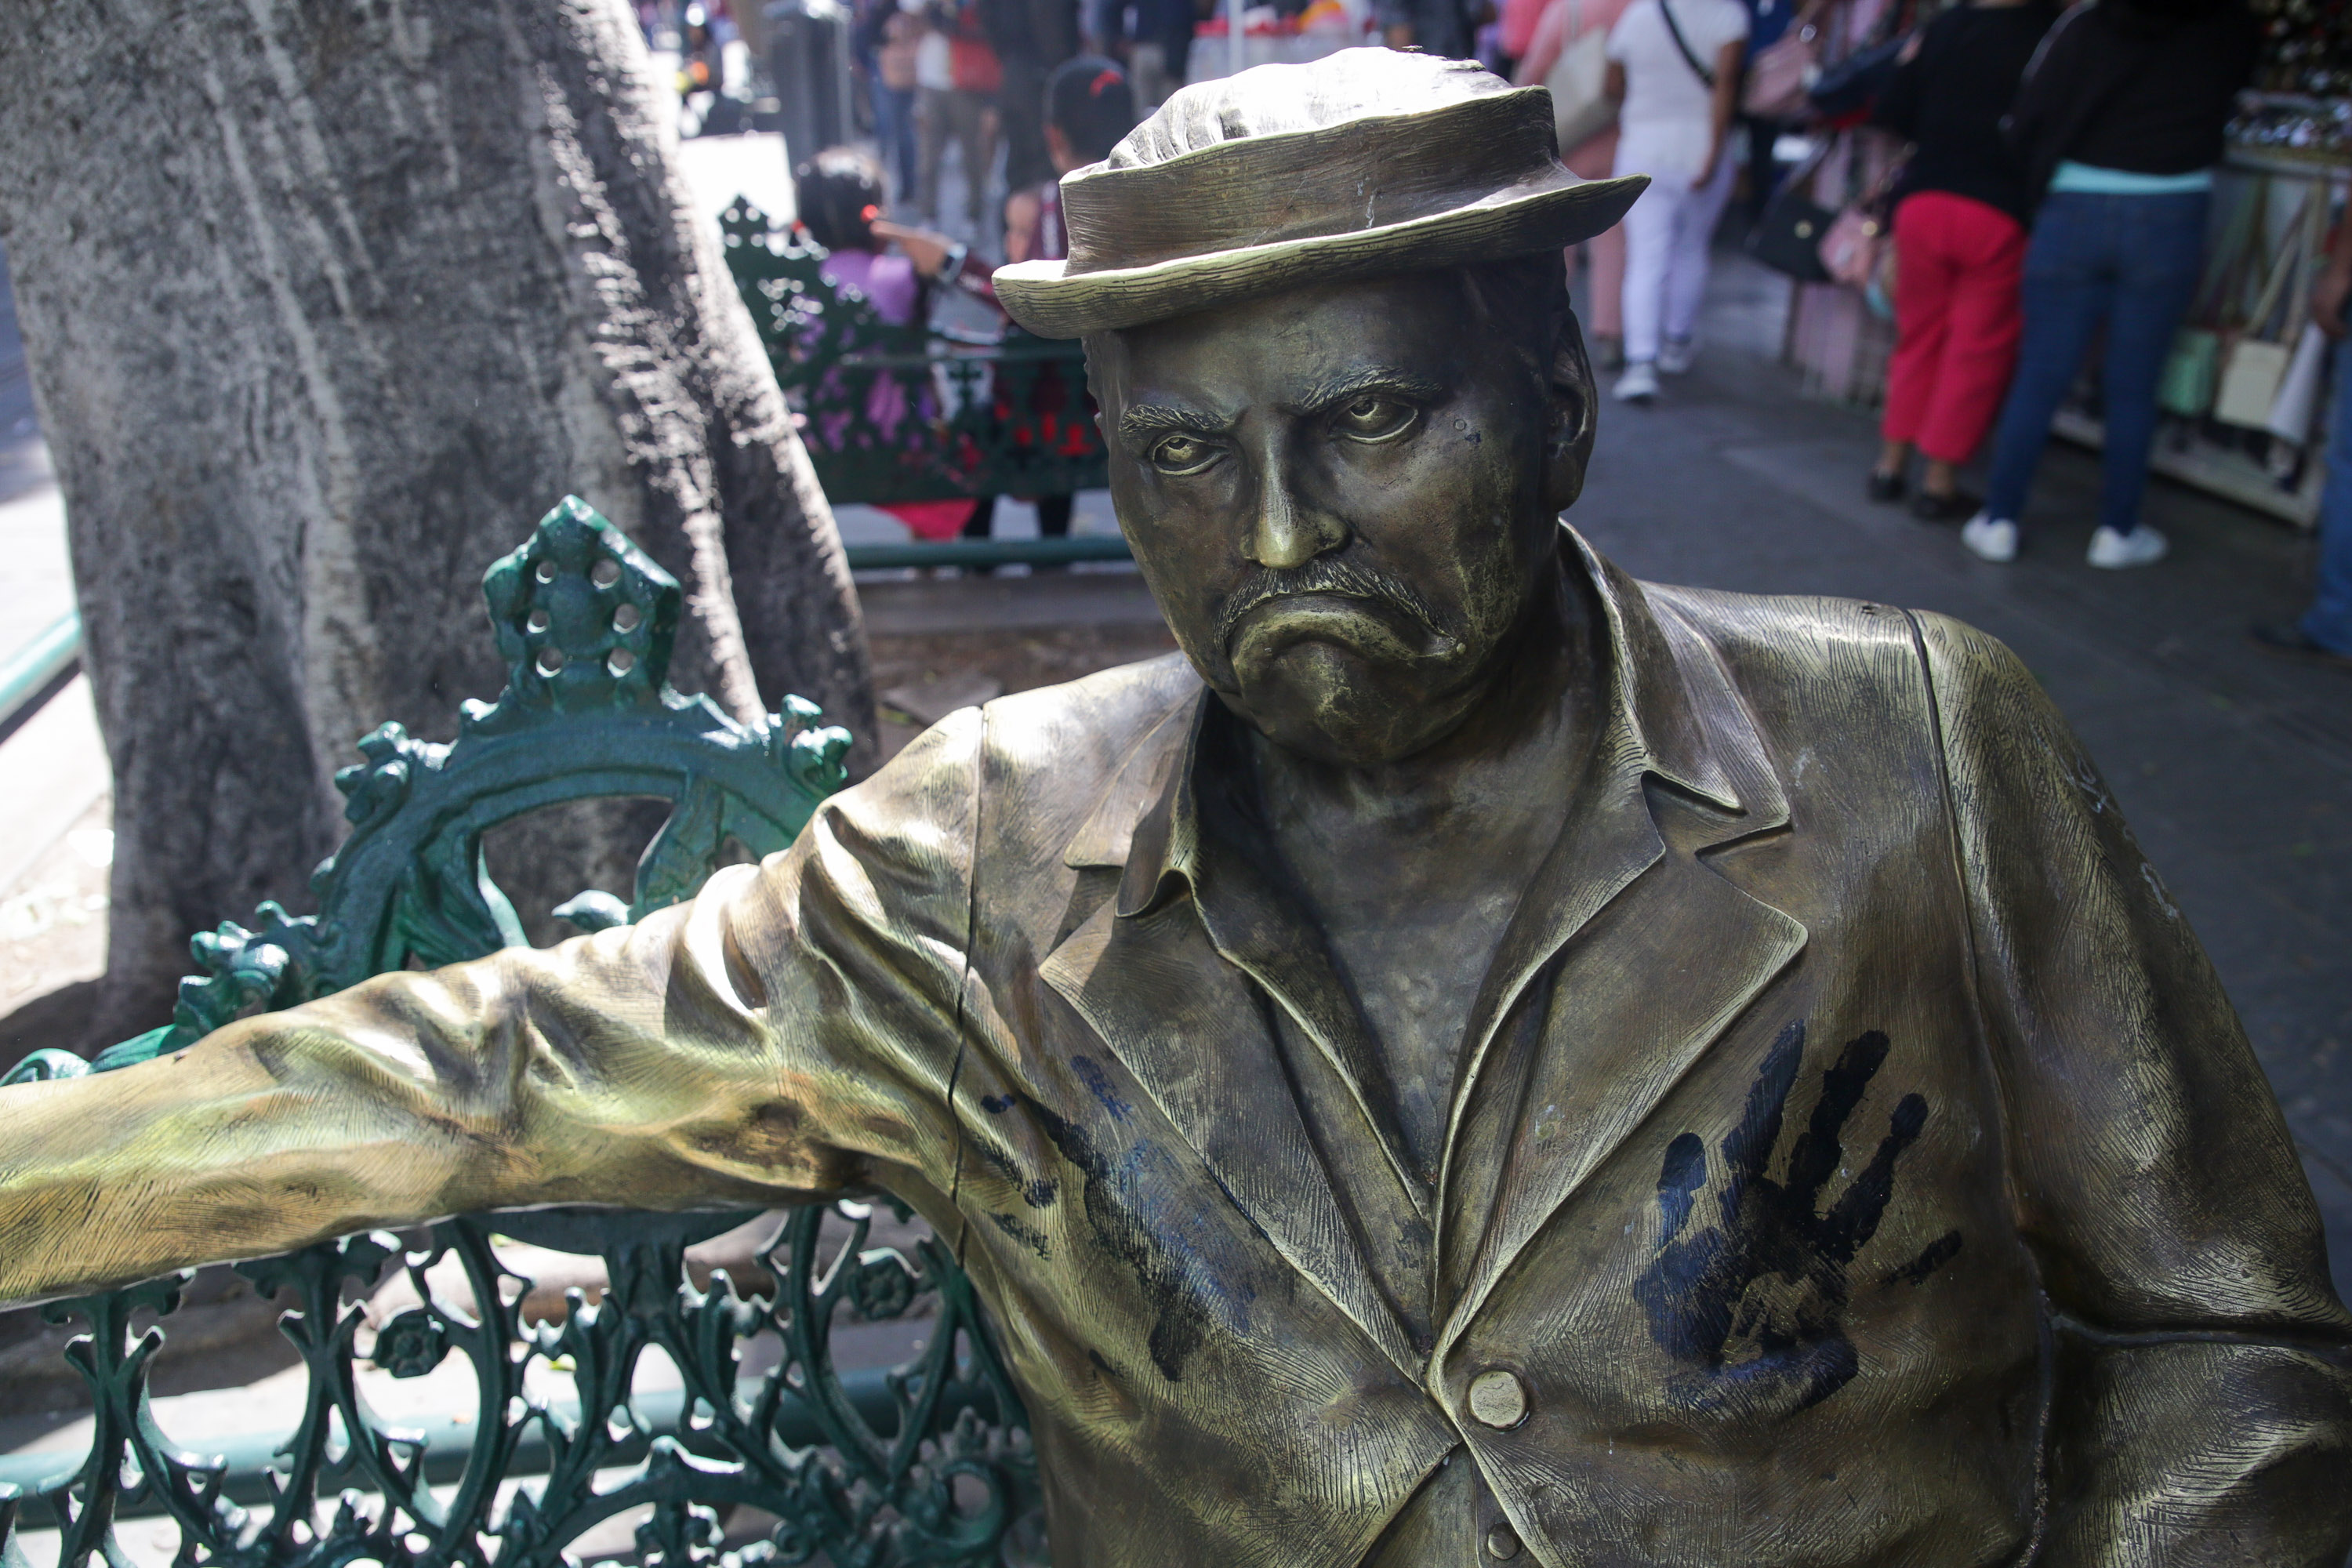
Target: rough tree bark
{"type": "Point", "coordinates": [325, 302]}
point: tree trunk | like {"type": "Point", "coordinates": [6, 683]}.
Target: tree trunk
{"type": "Point", "coordinates": [325, 304]}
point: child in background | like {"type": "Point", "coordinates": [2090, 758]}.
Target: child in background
{"type": "Point", "coordinates": [838, 195]}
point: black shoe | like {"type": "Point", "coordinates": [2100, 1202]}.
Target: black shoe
{"type": "Point", "coordinates": [2293, 642]}
{"type": "Point", "coordinates": [1885, 487]}
{"type": "Point", "coordinates": [1953, 508]}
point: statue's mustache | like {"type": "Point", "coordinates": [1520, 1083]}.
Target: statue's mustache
{"type": "Point", "coordinates": [1324, 574]}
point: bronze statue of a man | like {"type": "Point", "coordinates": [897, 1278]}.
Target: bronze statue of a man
{"type": "Point", "coordinates": [1478, 1057]}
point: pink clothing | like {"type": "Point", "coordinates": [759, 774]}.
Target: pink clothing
{"type": "Point", "coordinates": [1605, 307]}
{"type": "Point", "coordinates": [1518, 24]}
{"type": "Point", "coordinates": [1545, 41]}
{"type": "Point", "coordinates": [889, 282]}
{"type": "Point", "coordinates": [1595, 159]}
{"type": "Point", "coordinates": [891, 286]}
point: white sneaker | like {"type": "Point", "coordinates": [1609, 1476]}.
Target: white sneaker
{"type": "Point", "coordinates": [2143, 546]}
{"type": "Point", "coordinates": [1639, 383]}
{"type": "Point", "coordinates": [1990, 538]}
{"type": "Point", "coordinates": [1676, 357]}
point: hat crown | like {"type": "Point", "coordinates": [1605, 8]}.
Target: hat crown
{"type": "Point", "coordinates": [1284, 100]}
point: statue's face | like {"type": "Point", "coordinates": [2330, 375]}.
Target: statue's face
{"type": "Point", "coordinates": [1344, 499]}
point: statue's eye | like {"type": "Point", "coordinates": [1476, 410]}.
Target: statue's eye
{"type": "Point", "coordinates": [1375, 416]}
{"type": "Point", "coordinates": [1183, 454]}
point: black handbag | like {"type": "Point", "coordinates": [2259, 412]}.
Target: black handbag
{"type": "Point", "coordinates": [1787, 237]}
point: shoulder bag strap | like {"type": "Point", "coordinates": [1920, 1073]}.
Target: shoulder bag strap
{"type": "Point", "coordinates": [1690, 59]}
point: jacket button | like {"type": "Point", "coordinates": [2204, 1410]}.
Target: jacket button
{"type": "Point", "coordinates": [1502, 1542]}
{"type": "Point", "coordinates": [1497, 1399]}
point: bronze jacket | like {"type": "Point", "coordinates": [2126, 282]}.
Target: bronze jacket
{"type": "Point", "coordinates": [1854, 1159]}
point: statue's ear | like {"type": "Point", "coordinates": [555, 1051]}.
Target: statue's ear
{"type": "Point", "coordinates": [1567, 445]}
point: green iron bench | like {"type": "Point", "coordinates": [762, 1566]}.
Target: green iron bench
{"type": "Point", "coordinates": [927, 1463]}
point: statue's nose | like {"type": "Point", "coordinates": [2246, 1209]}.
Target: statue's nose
{"type": "Point", "coordinates": [1285, 533]}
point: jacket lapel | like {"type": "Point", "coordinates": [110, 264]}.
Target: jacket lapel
{"type": "Point", "coordinates": [1190, 1028]}
{"type": "Point", "coordinates": [1651, 954]}
{"type": "Point", "coordinates": [1638, 997]}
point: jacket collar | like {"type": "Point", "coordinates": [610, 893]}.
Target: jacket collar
{"type": "Point", "coordinates": [1671, 714]}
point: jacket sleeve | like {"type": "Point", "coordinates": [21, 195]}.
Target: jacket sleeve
{"type": "Point", "coordinates": [1897, 107]}
{"type": "Point", "coordinates": [2200, 1409]}
{"type": "Point", "coordinates": [788, 1031]}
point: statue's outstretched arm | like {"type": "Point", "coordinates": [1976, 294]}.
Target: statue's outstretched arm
{"type": "Point", "coordinates": [2202, 1397]}
{"type": "Point", "coordinates": [790, 1030]}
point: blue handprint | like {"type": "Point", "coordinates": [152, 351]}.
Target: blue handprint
{"type": "Point", "coordinates": [1755, 1305]}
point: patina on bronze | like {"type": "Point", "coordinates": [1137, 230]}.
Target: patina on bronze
{"type": "Point", "coordinates": [1478, 1058]}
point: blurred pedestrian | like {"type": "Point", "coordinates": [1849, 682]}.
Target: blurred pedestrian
{"type": "Point", "coordinates": [1516, 24]}
{"type": "Point", "coordinates": [1560, 24]}
{"type": "Point", "coordinates": [965, 113]}
{"type": "Point", "coordinates": [1031, 38]}
{"type": "Point", "coordinates": [1433, 26]}
{"type": "Point", "coordinates": [890, 33]}
{"type": "Point", "coordinates": [1961, 209]}
{"type": "Point", "coordinates": [1089, 109]}
{"type": "Point", "coordinates": [2324, 635]}
{"type": "Point", "coordinates": [1675, 69]}
{"type": "Point", "coordinates": [838, 197]}
{"type": "Point", "coordinates": [1154, 36]}
{"type": "Point", "coordinates": [1768, 22]}
{"type": "Point", "coordinates": [2120, 121]}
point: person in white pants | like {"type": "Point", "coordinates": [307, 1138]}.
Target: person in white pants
{"type": "Point", "coordinates": [1674, 66]}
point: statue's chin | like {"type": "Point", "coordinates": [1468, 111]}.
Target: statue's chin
{"type": "Point", "coordinates": [1329, 701]}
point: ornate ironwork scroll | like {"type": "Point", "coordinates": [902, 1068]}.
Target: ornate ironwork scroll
{"type": "Point", "coordinates": [925, 1464]}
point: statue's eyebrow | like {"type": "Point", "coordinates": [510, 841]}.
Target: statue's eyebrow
{"type": "Point", "coordinates": [1355, 383]}
{"type": "Point", "coordinates": [1147, 419]}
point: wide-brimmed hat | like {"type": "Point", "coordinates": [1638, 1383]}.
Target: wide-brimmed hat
{"type": "Point", "coordinates": [1366, 162]}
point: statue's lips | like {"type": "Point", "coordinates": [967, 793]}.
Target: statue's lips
{"type": "Point", "coordinates": [1368, 626]}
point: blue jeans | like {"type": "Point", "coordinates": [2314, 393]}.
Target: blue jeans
{"type": "Point", "coordinates": [894, 127]}
{"type": "Point", "coordinates": [2328, 622]}
{"type": "Point", "coordinates": [2131, 262]}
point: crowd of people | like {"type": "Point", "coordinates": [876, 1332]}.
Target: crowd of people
{"type": "Point", "coordinates": [970, 77]}
{"type": "Point", "coordinates": [2059, 189]}
{"type": "Point", "coordinates": [2053, 196]}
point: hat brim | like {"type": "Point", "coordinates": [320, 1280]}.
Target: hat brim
{"type": "Point", "coordinates": [1522, 220]}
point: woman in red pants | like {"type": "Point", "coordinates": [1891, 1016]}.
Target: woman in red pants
{"type": "Point", "coordinates": [1961, 212]}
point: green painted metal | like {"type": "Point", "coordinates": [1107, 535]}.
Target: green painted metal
{"type": "Point", "coordinates": [907, 413]}
{"type": "Point", "coordinates": [929, 1464]}
{"type": "Point", "coordinates": [31, 667]}
{"type": "Point", "coordinates": [248, 1458]}
{"type": "Point", "coordinates": [988, 553]}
